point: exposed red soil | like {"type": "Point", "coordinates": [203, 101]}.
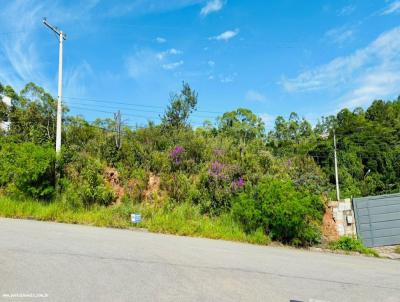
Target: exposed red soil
{"type": "Point", "coordinates": [112, 177]}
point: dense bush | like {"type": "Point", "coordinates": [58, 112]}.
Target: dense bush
{"type": "Point", "coordinates": [27, 168]}
{"type": "Point", "coordinates": [177, 185]}
{"type": "Point", "coordinates": [218, 184]}
{"type": "Point", "coordinates": [305, 174]}
{"type": "Point", "coordinates": [285, 213]}
{"type": "Point", "coordinates": [85, 184]}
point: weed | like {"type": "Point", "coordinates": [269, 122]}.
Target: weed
{"type": "Point", "coordinates": [350, 244]}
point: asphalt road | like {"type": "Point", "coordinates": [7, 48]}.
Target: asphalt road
{"type": "Point", "coordinates": [42, 261]}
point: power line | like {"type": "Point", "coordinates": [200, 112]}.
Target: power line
{"type": "Point", "coordinates": [129, 104]}
{"type": "Point", "coordinates": [149, 118]}
{"type": "Point", "coordinates": [72, 105]}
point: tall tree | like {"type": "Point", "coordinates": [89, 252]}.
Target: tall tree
{"type": "Point", "coordinates": [180, 107]}
{"type": "Point", "coordinates": [242, 124]}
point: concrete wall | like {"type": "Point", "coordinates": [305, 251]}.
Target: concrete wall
{"type": "Point", "coordinates": [343, 217]}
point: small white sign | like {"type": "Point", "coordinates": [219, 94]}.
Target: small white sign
{"type": "Point", "coordinates": [136, 218]}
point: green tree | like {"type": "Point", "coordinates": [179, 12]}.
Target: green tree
{"type": "Point", "coordinates": [291, 136]}
{"type": "Point", "coordinates": [242, 125]}
{"type": "Point", "coordinates": [180, 107]}
{"type": "Point", "coordinates": [32, 114]}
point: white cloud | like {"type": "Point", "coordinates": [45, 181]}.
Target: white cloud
{"type": "Point", "coordinates": [339, 35]}
{"type": "Point", "coordinates": [172, 66]}
{"type": "Point", "coordinates": [368, 73]}
{"type": "Point", "coordinates": [347, 10]}
{"type": "Point", "coordinates": [225, 36]}
{"type": "Point", "coordinates": [173, 51]}
{"type": "Point", "coordinates": [141, 63]}
{"type": "Point", "coordinates": [393, 7]}
{"type": "Point", "coordinates": [380, 84]}
{"type": "Point", "coordinates": [211, 7]}
{"type": "Point", "coordinates": [254, 96]}
{"type": "Point", "coordinates": [161, 40]}
{"type": "Point", "coordinates": [145, 61]}
{"type": "Point", "coordinates": [211, 63]}
{"type": "Point", "coordinates": [22, 59]}
{"type": "Point", "coordinates": [76, 79]}
{"type": "Point", "coordinates": [227, 78]}
{"type": "Point", "coordinates": [18, 53]}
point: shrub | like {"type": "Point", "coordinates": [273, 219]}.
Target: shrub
{"type": "Point", "coordinates": [286, 214]}
{"type": "Point", "coordinates": [177, 185]}
{"type": "Point", "coordinates": [176, 154]}
{"type": "Point", "coordinates": [218, 185]}
{"type": "Point", "coordinates": [305, 173]}
{"type": "Point", "coordinates": [136, 183]}
{"type": "Point", "coordinates": [159, 162]}
{"type": "Point", "coordinates": [189, 155]}
{"type": "Point", "coordinates": [29, 168]}
{"type": "Point", "coordinates": [351, 244]}
{"type": "Point", "coordinates": [86, 182]}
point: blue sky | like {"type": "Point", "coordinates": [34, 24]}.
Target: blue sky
{"type": "Point", "coordinates": [274, 57]}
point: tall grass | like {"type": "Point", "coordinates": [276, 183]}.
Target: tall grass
{"type": "Point", "coordinates": [182, 219]}
{"type": "Point", "coordinates": [186, 219]}
{"type": "Point", "coordinates": [57, 211]}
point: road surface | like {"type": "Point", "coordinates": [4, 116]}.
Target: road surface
{"type": "Point", "coordinates": [44, 261]}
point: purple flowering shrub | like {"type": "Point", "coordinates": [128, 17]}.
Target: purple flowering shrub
{"type": "Point", "coordinates": [176, 154]}
{"type": "Point", "coordinates": [217, 170]}
{"type": "Point", "coordinates": [177, 157]}
{"type": "Point", "coordinates": [219, 184]}
{"type": "Point", "coordinates": [238, 184]}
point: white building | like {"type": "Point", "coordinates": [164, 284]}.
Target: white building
{"type": "Point", "coordinates": [5, 125]}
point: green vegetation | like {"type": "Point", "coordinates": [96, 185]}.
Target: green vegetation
{"type": "Point", "coordinates": [397, 249]}
{"type": "Point", "coordinates": [350, 244]}
{"type": "Point", "coordinates": [182, 219]}
{"type": "Point", "coordinates": [60, 212]}
{"type": "Point", "coordinates": [289, 215]}
{"type": "Point", "coordinates": [28, 168]}
{"type": "Point", "coordinates": [229, 179]}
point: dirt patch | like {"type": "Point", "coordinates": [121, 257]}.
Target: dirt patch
{"type": "Point", "coordinates": [152, 190]}
{"type": "Point", "coordinates": [390, 251]}
{"type": "Point", "coordinates": [329, 230]}
{"type": "Point", "coordinates": [112, 177]}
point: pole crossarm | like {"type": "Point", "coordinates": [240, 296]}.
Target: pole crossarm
{"type": "Point", "coordinates": [55, 29]}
